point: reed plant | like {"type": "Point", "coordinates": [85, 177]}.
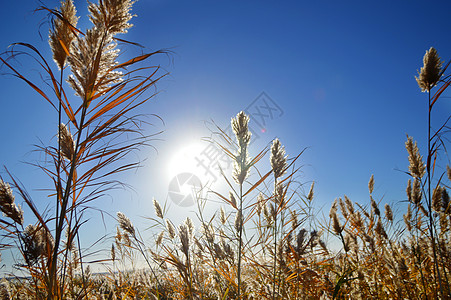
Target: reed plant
{"type": "Point", "coordinates": [105, 126]}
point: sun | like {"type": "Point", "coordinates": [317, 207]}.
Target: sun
{"type": "Point", "coordinates": [187, 160]}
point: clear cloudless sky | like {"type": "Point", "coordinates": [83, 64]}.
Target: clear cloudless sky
{"type": "Point", "coordinates": [341, 72]}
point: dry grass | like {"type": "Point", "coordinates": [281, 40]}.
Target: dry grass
{"type": "Point", "coordinates": [264, 243]}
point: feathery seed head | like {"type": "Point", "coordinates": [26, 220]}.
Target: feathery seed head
{"type": "Point", "coordinates": [171, 229]}
{"type": "Point", "coordinates": [157, 208]}
{"type": "Point", "coordinates": [243, 135]}
{"type": "Point", "coordinates": [349, 205]}
{"type": "Point", "coordinates": [209, 233]}
{"type": "Point", "coordinates": [347, 242]}
{"type": "Point", "coordinates": [333, 208]}
{"type": "Point", "coordinates": [343, 208]}
{"type": "Point", "coordinates": [408, 218]}
{"type": "Point", "coordinates": [37, 242]}
{"type": "Point", "coordinates": [371, 184]}
{"type": "Point", "coordinates": [222, 216]}
{"type": "Point", "coordinates": [445, 200]}
{"type": "Point", "coordinates": [416, 194]}
{"type": "Point", "coordinates": [380, 231]}
{"type": "Point", "coordinates": [260, 203]}
{"type": "Point", "coordinates": [375, 207]}
{"type": "Point", "coordinates": [60, 38]}
{"type": "Point", "coordinates": [118, 236]}
{"type": "Point", "coordinates": [185, 239]}
{"type": "Point", "coordinates": [310, 193]}
{"type": "Point", "coordinates": [66, 142]}
{"type": "Point", "coordinates": [91, 75]}
{"type": "Point", "coordinates": [278, 159]}
{"type": "Point", "coordinates": [159, 239]}
{"type": "Point", "coordinates": [300, 238]}
{"type": "Point", "coordinates": [431, 71]}
{"type": "Point", "coordinates": [232, 199]}
{"type": "Point", "coordinates": [240, 126]}
{"type": "Point", "coordinates": [5, 290]}
{"type": "Point", "coordinates": [113, 253]}
{"type": "Point", "coordinates": [437, 199]}
{"type": "Point", "coordinates": [190, 225]}
{"type": "Point", "coordinates": [416, 165]}
{"type": "Point", "coordinates": [357, 219]}
{"type": "Point", "coordinates": [7, 205]}
{"type": "Point", "coordinates": [336, 224]}
{"type": "Point", "coordinates": [125, 224]}
{"type": "Point", "coordinates": [294, 219]}
{"type": "Point", "coordinates": [388, 212]}
{"type": "Point", "coordinates": [111, 15]}
{"type": "Point", "coordinates": [409, 190]}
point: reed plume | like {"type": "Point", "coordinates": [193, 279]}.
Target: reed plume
{"type": "Point", "coordinates": [157, 208]}
{"type": "Point", "coordinates": [416, 165]}
{"type": "Point", "coordinates": [431, 71]}
{"type": "Point", "coordinates": [63, 32]}
{"type": "Point", "coordinates": [240, 126]}
{"type": "Point", "coordinates": [7, 205]}
{"type": "Point", "coordinates": [125, 224]}
{"type": "Point", "coordinates": [66, 142]}
{"type": "Point", "coordinates": [278, 159]}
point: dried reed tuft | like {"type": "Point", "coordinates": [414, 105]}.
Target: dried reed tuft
{"type": "Point", "coordinates": [159, 238]}
{"type": "Point", "coordinates": [36, 243]}
{"type": "Point", "coordinates": [5, 290]}
{"type": "Point", "coordinates": [278, 159]}
{"type": "Point", "coordinates": [62, 35]}
{"type": "Point", "coordinates": [371, 184]}
{"type": "Point", "coordinates": [7, 205]}
{"type": "Point", "coordinates": [171, 229]}
{"type": "Point", "coordinates": [240, 126]}
{"type": "Point", "coordinates": [222, 216]}
{"type": "Point", "coordinates": [185, 239]}
{"type": "Point", "coordinates": [437, 199]}
{"type": "Point", "coordinates": [431, 71]}
{"type": "Point", "coordinates": [336, 226]}
{"type": "Point", "coordinates": [157, 208]}
{"type": "Point", "coordinates": [125, 224]}
{"type": "Point", "coordinates": [311, 192]}
{"type": "Point", "coordinates": [388, 212]}
{"type": "Point", "coordinates": [375, 207]}
{"type": "Point", "coordinates": [416, 165]}
{"type": "Point", "coordinates": [111, 15]}
{"type": "Point", "coordinates": [190, 225]}
{"type": "Point", "coordinates": [66, 142]}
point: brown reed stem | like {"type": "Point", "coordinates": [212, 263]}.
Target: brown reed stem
{"type": "Point", "coordinates": [240, 242]}
{"type": "Point", "coordinates": [429, 199]}
{"type": "Point", "coordinates": [276, 208]}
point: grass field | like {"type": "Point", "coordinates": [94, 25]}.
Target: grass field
{"type": "Point", "coordinates": [262, 243]}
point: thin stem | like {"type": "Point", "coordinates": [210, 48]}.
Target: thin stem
{"type": "Point", "coordinates": [429, 199]}
{"type": "Point", "coordinates": [276, 208]}
{"type": "Point", "coordinates": [58, 230]}
{"type": "Point", "coordinates": [240, 240]}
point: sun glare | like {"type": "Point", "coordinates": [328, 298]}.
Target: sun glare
{"type": "Point", "coordinates": [186, 160]}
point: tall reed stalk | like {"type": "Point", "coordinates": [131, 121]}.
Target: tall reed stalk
{"type": "Point", "coordinates": [429, 76]}
{"type": "Point", "coordinates": [109, 93]}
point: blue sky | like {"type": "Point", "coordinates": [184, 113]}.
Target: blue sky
{"type": "Point", "coordinates": [342, 72]}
